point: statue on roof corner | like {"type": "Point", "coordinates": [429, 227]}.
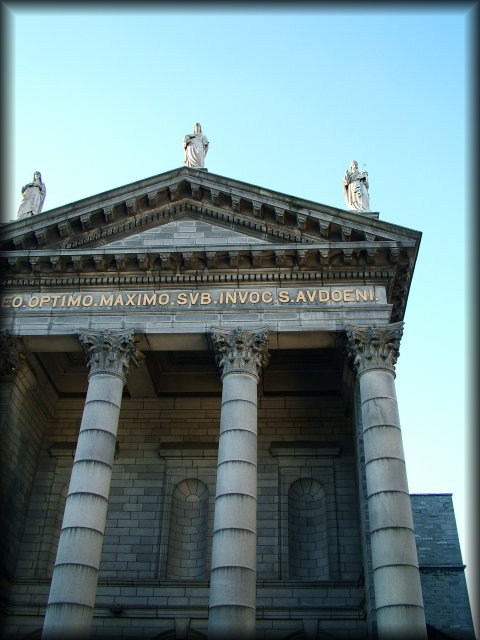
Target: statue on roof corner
{"type": "Point", "coordinates": [355, 188]}
{"type": "Point", "coordinates": [33, 194]}
{"type": "Point", "coordinates": [196, 146]}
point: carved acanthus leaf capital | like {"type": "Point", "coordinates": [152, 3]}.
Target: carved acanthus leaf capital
{"type": "Point", "coordinates": [11, 353]}
{"type": "Point", "coordinates": [376, 347]}
{"type": "Point", "coordinates": [240, 351]}
{"type": "Point", "coordinates": [110, 351]}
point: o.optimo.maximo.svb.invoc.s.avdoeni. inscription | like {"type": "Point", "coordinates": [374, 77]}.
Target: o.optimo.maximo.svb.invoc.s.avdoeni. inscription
{"type": "Point", "coordinates": [185, 299]}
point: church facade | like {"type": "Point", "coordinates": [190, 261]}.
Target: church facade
{"type": "Point", "coordinates": [200, 433]}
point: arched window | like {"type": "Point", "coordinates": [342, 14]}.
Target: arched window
{"type": "Point", "coordinates": [307, 531]}
{"type": "Point", "coordinates": [187, 538]}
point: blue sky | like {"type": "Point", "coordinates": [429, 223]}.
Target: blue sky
{"type": "Point", "coordinates": [287, 97]}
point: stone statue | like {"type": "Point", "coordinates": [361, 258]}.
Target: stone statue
{"type": "Point", "coordinates": [33, 197]}
{"type": "Point", "coordinates": [196, 146]}
{"type": "Point", "coordinates": [355, 188]}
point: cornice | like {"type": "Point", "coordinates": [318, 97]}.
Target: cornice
{"type": "Point", "coordinates": [120, 212]}
{"type": "Point", "coordinates": [173, 279]}
{"type": "Point", "coordinates": [201, 257]}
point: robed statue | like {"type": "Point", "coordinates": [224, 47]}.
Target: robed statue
{"type": "Point", "coordinates": [195, 146]}
{"type": "Point", "coordinates": [355, 188]}
{"type": "Point", "coordinates": [33, 194]}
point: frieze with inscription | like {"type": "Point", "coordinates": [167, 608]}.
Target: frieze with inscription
{"type": "Point", "coordinates": [195, 299]}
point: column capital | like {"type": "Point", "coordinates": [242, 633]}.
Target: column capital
{"type": "Point", "coordinates": [374, 347]}
{"type": "Point", "coordinates": [110, 351]}
{"type": "Point", "coordinates": [12, 353]}
{"type": "Point", "coordinates": [240, 350]}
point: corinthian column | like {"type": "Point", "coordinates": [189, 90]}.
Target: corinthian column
{"type": "Point", "coordinates": [396, 578]}
{"type": "Point", "coordinates": [232, 608]}
{"type": "Point", "coordinates": [110, 354]}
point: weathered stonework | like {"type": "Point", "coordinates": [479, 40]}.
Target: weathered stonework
{"type": "Point", "coordinates": [11, 353]}
{"type": "Point", "coordinates": [111, 352]}
{"type": "Point", "coordinates": [374, 347]}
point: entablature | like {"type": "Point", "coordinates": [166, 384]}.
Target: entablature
{"type": "Point", "coordinates": [283, 238]}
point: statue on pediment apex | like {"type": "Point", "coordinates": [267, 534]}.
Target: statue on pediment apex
{"type": "Point", "coordinates": [355, 188]}
{"type": "Point", "coordinates": [195, 146]}
{"type": "Point", "coordinates": [33, 194]}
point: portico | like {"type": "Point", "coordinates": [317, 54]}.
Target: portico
{"type": "Point", "coordinates": [205, 345]}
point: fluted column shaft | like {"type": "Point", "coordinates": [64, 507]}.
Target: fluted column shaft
{"type": "Point", "coordinates": [396, 577]}
{"type": "Point", "coordinates": [72, 593]}
{"type": "Point", "coordinates": [232, 607]}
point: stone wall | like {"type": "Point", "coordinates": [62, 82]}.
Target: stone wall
{"type": "Point", "coordinates": [156, 553]}
{"type": "Point", "coordinates": [447, 607]}
{"type": "Point", "coordinates": [26, 400]}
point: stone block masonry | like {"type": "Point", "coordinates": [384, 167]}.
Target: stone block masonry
{"type": "Point", "coordinates": [441, 566]}
{"type": "Point", "coordinates": [162, 443]}
{"type": "Point", "coordinates": [27, 401]}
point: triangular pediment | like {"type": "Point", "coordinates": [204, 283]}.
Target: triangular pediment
{"type": "Point", "coordinates": [243, 209]}
{"type": "Point", "coordinates": [187, 224]}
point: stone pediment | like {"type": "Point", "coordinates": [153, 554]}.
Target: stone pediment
{"type": "Point", "coordinates": [193, 193]}
{"type": "Point", "coordinates": [187, 222]}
